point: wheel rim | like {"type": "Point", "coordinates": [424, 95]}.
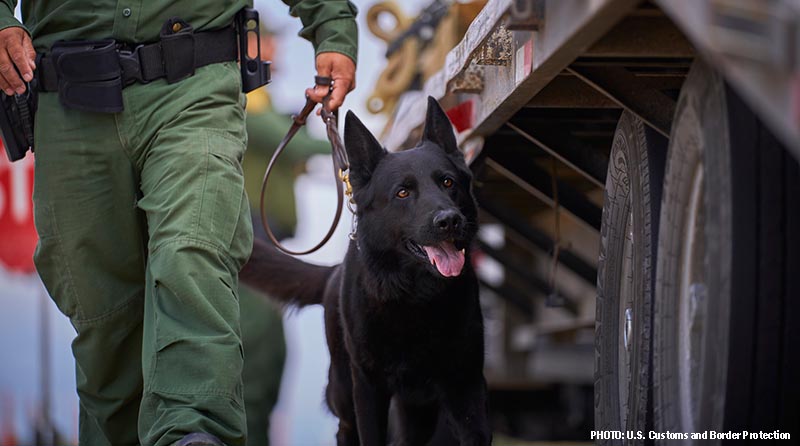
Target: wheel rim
{"type": "Point", "coordinates": [626, 318]}
{"type": "Point", "coordinates": [692, 307]}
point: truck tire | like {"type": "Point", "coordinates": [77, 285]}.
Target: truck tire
{"type": "Point", "coordinates": [626, 274]}
{"type": "Point", "coordinates": [723, 318]}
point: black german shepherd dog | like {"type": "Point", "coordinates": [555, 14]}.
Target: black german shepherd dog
{"type": "Point", "coordinates": [402, 317]}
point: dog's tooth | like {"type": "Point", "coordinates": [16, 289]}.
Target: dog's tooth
{"type": "Point", "coordinates": [462, 250]}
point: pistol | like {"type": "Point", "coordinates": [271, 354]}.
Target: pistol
{"type": "Point", "coordinates": [16, 122]}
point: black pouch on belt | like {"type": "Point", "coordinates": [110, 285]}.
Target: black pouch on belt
{"type": "Point", "coordinates": [178, 46]}
{"type": "Point", "coordinates": [97, 89]}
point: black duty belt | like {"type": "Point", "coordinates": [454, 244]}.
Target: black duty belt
{"type": "Point", "coordinates": [90, 75]}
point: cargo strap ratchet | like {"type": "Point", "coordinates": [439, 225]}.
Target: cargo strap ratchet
{"type": "Point", "coordinates": [340, 165]}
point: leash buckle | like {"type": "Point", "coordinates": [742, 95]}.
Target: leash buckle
{"type": "Point", "coordinates": [344, 177]}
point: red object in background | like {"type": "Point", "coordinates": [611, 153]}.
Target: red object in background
{"type": "Point", "coordinates": [17, 233]}
{"type": "Point", "coordinates": [7, 435]}
{"type": "Point", "coordinates": [462, 115]}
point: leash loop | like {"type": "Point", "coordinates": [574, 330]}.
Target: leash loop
{"type": "Point", "coordinates": [341, 166]}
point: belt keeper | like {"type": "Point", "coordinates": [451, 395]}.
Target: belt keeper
{"type": "Point", "coordinates": [177, 45]}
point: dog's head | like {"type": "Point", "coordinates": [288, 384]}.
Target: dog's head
{"type": "Point", "coordinates": [416, 206]}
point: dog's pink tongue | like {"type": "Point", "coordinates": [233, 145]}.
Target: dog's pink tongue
{"type": "Point", "coordinates": [448, 260]}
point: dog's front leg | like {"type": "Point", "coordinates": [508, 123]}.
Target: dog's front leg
{"type": "Point", "coordinates": [464, 403]}
{"type": "Point", "coordinates": [371, 400]}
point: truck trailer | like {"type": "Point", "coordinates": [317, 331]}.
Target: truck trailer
{"type": "Point", "coordinates": [636, 166]}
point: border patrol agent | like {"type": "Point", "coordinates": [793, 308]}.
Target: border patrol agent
{"type": "Point", "coordinates": [139, 199]}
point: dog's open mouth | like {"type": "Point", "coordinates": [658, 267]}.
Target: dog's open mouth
{"type": "Point", "coordinates": [444, 256]}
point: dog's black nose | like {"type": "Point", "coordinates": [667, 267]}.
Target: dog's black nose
{"type": "Point", "coordinates": [448, 220]}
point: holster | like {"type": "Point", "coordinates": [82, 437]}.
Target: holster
{"type": "Point", "coordinates": [16, 122]}
{"type": "Point", "coordinates": [255, 72]}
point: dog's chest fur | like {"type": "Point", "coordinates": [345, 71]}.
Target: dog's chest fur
{"type": "Point", "coordinates": [414, 340]}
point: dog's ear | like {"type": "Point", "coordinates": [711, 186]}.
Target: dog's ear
{"type": "Point", "coordinates": [363, 150]}
{"type": "Point", "coordinates": [438, 128]}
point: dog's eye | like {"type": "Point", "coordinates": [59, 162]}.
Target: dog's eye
{"type": "Point", "coordinates": [447, 182]}
{"type": "Point", "coordinates": [402, 193]}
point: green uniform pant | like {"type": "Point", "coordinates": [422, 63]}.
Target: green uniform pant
{"type": "Point", "coordinates": [264, 357]}
{"type": "Point", "coordinates": [143, 227]}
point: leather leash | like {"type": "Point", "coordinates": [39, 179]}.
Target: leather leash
{"type": "Point", "coordinates": [340, 165]}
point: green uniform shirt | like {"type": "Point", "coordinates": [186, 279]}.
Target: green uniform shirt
{"type": "Point", "coordinates": [328, 24]}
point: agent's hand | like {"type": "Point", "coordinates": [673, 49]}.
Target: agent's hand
{"type": "Point", "coordinates": [343, 72]}
{"type": "Point", "coordinates": [16, 50]}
